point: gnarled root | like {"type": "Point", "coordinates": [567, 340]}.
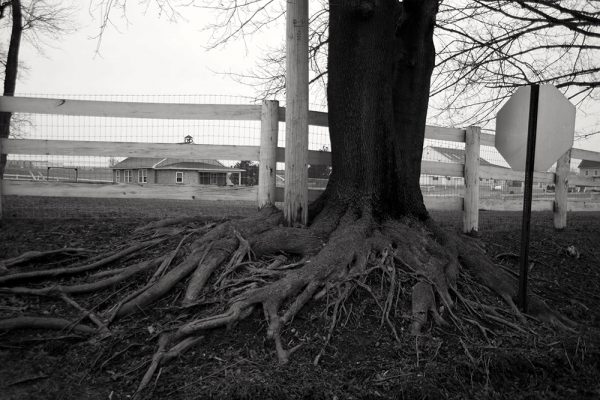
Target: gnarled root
{"type": "Point", "coordinates": [36, 255]}
{"type": "Point", "coordinates": [44, 323]}
{"type": "Point", "coordinates": [472, 257]}
{"type": "Point", "coordinates": [236, 267]}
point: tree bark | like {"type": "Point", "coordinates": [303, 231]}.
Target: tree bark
{"type": "Point", "coordinates": [381, 57]}
{"type": "Point", "coordinates": [11, 71]}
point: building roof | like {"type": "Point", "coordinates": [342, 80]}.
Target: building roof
{"type": "Point", "coordinates": [197, 166]}
{"type": "Point", "coordinates": [458, 156]}
{"type": "Point", "coordinates": [173, 163]}
{"type": "Point", "coordinates": [588, 164]}
{"type": "Point", "coordinates": [138, 162]}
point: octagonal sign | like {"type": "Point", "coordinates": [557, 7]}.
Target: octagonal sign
{"type": "Point", "coordinates": [555, 128]}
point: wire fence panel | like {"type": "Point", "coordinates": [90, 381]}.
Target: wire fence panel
{"type": "Point", "coordinates": [448, 185]}
{"type": "Point", "coordinates": [111, 175]}
{"type": "Point", "coordinates": [102, 158]}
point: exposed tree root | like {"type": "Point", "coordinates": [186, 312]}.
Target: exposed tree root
{"type": "Point", "coordinates": [505, 285]}
{"type": "Point", "coordinates": [87, 314]}
{"type": "Point", "coordinates": [34, 255]}
{"type": "Point", "coordinates": [163, 223]}
{"type": "Point", "coordinates": [124, 274]}
{"type": "Point", "coordinates": [256, 263]}
{"type": "Point", "coordinates": [44, 323]}
{"type": "Point", "coordinates": [52, 273]}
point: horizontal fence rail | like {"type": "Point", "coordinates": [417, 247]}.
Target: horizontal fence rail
{"type": "Point", "coordinates": [198, 151]}
{"type": "Point", "coordinates": [92, 108]}
{"type": "Point", "coordinates": [118, 109]}
{"type": "Point", "coordinates": [127, 149]}
{"type": "Point", "coordinates": [271, 113]}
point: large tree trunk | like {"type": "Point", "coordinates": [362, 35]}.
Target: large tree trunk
{"type": "Point", "coordinates": [10, 74]}
{"type": "Point", "coordinates": [381, 57]}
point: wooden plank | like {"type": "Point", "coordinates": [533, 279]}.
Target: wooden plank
{"type": "Point", "coordinates": [174, 192]}
{"type": "Point", "coordinates": [130, 109]}
{"type": "Point", "coordinates": [488, 139]}
{"type": "Point", "coordinates": [561, 190]}
{"type": "Point", "coordinates": [128, 149]}
{"type": "Point", "coordinates": [267, 168]}
{"type": "Point", "coordinates": [315, 118]}
{"type": "Point", "coordinates": [431, 202]}
{"type": "Point", "coordinates": [471, 199]}
{"type": "Point", "coordinates": [514, 205]}
{"type": "Point", "coordinates": [447, 134]}
{"type": "Point", "coordinates": [486, 171]}
{"type": "Point", "coordinates": [318, 118]}
{"type": "Point", "coordinates": [139, 149]}
{"type": "Point", "coordinates": [442, 169]}
{"type": "Point", "coordinates": [183, 192]}
{"type": "Point", "coordinates": [314, 157]}
{"type": "Point", "coordinates": [295, 207]}
{"type": "Point", "coordinates": [580, 154]}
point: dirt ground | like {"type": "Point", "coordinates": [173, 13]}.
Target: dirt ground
{"type": "Point", "coordinates": [362, 361]}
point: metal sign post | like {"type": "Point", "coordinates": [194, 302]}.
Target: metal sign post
{"type": "Point", "coordinates": [550, 116]}
{"type": "Point", "coordinates": [526, 221]}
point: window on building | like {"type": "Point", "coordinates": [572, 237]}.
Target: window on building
{"type": "Point", "coordinates": [128, 176]}
{"type": "Point", "coordinates": [587, 172]}
{"type": "Point", "coordinates": [204, 178]}
{"type": "Point", "coordinates": [117, 175]}
{"type": "Point", "coordinates": [142, 175]}
{"type": "Point", "coordinates": [179, 177]}
{"type": "Point", "coordinates": [595, 172]}
{"type": "Point", "coordinates": [207, 178]}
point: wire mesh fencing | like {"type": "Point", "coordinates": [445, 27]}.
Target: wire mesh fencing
{"type": "Point", "coordinates": [100, 177]}
{"type": "Point", "coordinates": [109, 170]}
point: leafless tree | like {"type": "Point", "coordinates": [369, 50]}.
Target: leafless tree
{"type": "Point", "coordinates": [38, 22]}
{"type": "Point", "coordinates": [11, 67]}
{"type": "Point", "coordinates": [486, 49]}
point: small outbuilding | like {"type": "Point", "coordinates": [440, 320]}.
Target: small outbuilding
{"type": "Point", "coordinates": [589, 169]}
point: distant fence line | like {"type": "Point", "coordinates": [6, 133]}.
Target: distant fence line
{"type": "Point", "coordinates": [268, 154]}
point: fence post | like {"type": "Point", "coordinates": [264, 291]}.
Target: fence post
{"type": "Point", "coordinates": [471, 174]}
{"type": "Point", "coordinates": [295, 207]}
{"type": "Point", "coordinates": [561, 189]}
{"type": "Point", "coordinates": [267, 162]}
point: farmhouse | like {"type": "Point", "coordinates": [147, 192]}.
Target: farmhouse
{"type": "Point", "coordinates": [589, 169]}
{"type": "Point", "coordinates": [168, 171]}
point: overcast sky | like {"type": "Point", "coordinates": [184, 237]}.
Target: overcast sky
{"type": "Point", "coordinates": [148, 54]}
{"type": "Point", "coordinates": [145, 55]}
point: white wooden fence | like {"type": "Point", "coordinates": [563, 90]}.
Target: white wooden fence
{"type": "Point", "coordinates": [268, 154]}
